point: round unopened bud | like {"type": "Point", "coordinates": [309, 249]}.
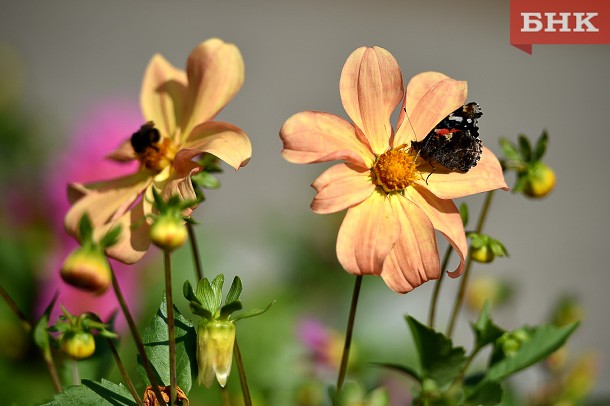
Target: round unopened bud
{"type": "Point", "coordinates": [78, 345]}
{"type": "Point", "coordinates": [168, 233]}
{"type": "Point", "coordinates": [87, 269]}
{"type": "Point", "coordinates": [540, 181]}
{"type": "Point", "coordinates": [512, 341]}
{"type": "Point", "coordinates": [482, 254]}
{"type": "Point", "coordinates": [215, 341]}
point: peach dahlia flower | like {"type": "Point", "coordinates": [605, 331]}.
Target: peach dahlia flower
{"type": "Point", "coordinates": [182, 106]}
{"type": "Point", "coordinates": [392, 211]}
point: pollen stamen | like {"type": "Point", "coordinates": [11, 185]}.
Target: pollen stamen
{"type": "Point", "coordinates": [395, 169]}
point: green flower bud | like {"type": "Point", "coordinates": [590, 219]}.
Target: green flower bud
{"type": "Point", "coordinates": [78, 345]}
{"type": "Point", "coordinates": [215, 341]}
{"type": "Point", "coordinates": [482, 254]}
{"type": "Point", "coordinates": [168, 232]}
{"type": "Point", "coordinates": [88, 269]}
{"type": "Point", "coordinates": [540, 180]}
{"type": "Point", "coordinates": [512, 341]}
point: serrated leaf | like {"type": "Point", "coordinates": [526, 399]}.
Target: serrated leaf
{"type": "Point", "coordinates": [156, 344]}
{"type": "Point", "coordinates": [229, 308]}
{"type": "Point", "coordinates": [525, 148]}
{"type": "Point", "coordinates": [464, 213]}
{"type": "Point", "coordinates": [217, 283]}
{"type": "Point", "coordinates": [91, 393]}
{"type": "Point", "coordinates": [544, 340]}
{"type": "Point", "coordinates": [402, 369]}
{"type": "Point", "coordinates": [234, 291]}
{"type": "Point", "coordinates": [541, 145]}
{"type": "Point", "coordinates": [439, 359]}
{"type": "Point", "coordinates": [485, 331]}
{"type": "Point", "coordinates": [510, 151]}
{"type": "Point", "coordinates": [489, 393]}
{"type": "Point", "coordinates": [252, 313]}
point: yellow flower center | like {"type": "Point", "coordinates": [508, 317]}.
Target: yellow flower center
{"type": "Point", "coordinates": [395, 169]}
{"type": "Point", "coordinates": [154, 152]}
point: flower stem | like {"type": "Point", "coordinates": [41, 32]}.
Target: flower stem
{"type": "Point", "coordinates": [464, 282]}
{"type": "Point", "coordinates": [48, 359]}
{"type": "Point", "coordinates": [170, 328]}
{"type": "Point", "coordinates": [242, 375]}
{"type": "Point", "coordinates": [27, 326]}
{"type": "Point", "coordinates": [196, 258]}
{"type": "Point", "coordinates": [348, 333]}
{"type": "Point", "coordinates": [75, 373]}
{"type": "Point", "coordinates": [123, 372]}
{"type": "Point", "coordinates": [437, 287]}
{"type": "Point", "coordinates": [137, 338]}
{"type": "Point", "coordinates": [224, 393]}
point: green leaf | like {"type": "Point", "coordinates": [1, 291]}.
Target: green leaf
{"type": "Point", "coordinates": [544, 340]}
{"type": "Point", "coordinates": [234, 291]}
{"type": "Point", "coordinates": [498, 248]}
{"type": "Point", "coordinates": [525, 148]}
{"type": "Point", "coordinates": [40, 334]}
{"type": "Point", "coordinates": [402, 369]}
{"type": "Point", "coordinates": [111, 237]}
{"type": "Point", "coordinates": [489, 393]}
{"type": "Point", "coordinates": [189, 294]}
{"type": "Point", "coordinates": [156, 344]}
{"type": "Point", "coordinates": [199, 310]}
{"type": "Point", "coordinates": [217, 283]}
{"type": "Point", "coordinates": [510, 151]}
{"type": "Point", "coordinates": [520, 185]}
{"type": "Point", "coordinates": [485, 331]}
{"type": "Point", "coordinates": [91, 393]}
{"type": "Point", "coordinates": [439, 359]}
{"type": "Point", "coordinates": [541, 145]}
{"type": "Point", "coordinates": [158, 201]}
{"type": "Point", "coordinates": [252, 313]}
{"type": "Point", "coordinates": [205, 294]}
{"type": "Point", "coordinates": [229, 308]}
{"type": "Point", "coordinates": [85, 228]}
{"type": "Point", "coordinates": [206, 180]}
{"type": "Point", "coordinates": [464, 213]}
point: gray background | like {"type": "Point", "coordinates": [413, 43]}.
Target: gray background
{"type": "Point", "coordinates": [77, 53]}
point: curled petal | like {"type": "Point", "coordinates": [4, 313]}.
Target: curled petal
{"type": "Point", "coordinates": [486, 176]}
{"type": "Point", "coordinates": [163, 95]}
{"type": "Point", "coordinates": [134, 239]}
{"type": "Point", "coordinates": [215, 71]}
{"type": "Point", "coordinates": [313, 136]}
{"type": "Point", "coordinates": [437, 103]}
{"type": "Point", "coordinates": [226, 141]}
{"type": "Point", "coordinates": [367, 234]}
{"type": "Point", "coordinates": [340, 187]}
{"type": "Point", "coordinates": [414, 258]}
{"type": "Point", "coordinates": [371, 87]}
{"type": "Point", "coordinates": [182, 186]}
{"type": "Point", "coordinates": [445, 218]}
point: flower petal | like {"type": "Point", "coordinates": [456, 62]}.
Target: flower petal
{"type": "Point", "coordinates": [134, 239]}
{"type": "Point", "coordinates": [313, 136]}
{"type": "Point", "coordinates": [367, 234]}
{"type": "Point", "coordinates": [371, 87]}
{"type": "Point", "coordinates": [103, 201]}
{"type": "Point", "coordinates": [437, 103]}
{"type": "Point", "coordinates": [215, 71]}
{"type": "Point", "coordinates": [226, 141]}
{"type": "Point", "coordinates": [486, 176]}
{"type": "Point", "coordinates": [414, 258]}
{"type": "Point", "coordinates": [341, 186]}
{"type": "Point", "coordinates": [445, 218]}
{"type": "Point", "coordinates": [124, 152]}
{"type": "Point", "coordinates": [163, 95]}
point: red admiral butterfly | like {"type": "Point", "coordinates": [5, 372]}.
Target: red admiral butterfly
{"type": "Point", "coordinates": [454, 142]}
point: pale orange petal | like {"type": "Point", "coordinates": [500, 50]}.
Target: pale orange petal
{"type": "Point", "coordinates": [313, 136]}
{"type": "Point", "coordinates": [103, 201]}
{"type": "Point", "coordinates": [438, 102]}
{"type": "Point", "coordinates": [445, 218]}
{"type": "Point", "coordinates": [341, 186]}
{"type": "Point", "coordinates": [163, 95]}
{"type": "Point", "coordinates": [124, 152]}
{"type": "Point", "coordinates": [367, 234]}
{"type": "Point", "coordinates": [226, 141]}
{"type": "Point", "coordinates": [414, 258]}
{"type": "Point", "coordinates": [215, 71]}
{"type": "Point", "coordinates": [134, 239]}
{"type": "Point", "coordinates": [371, 87]}
{"type": "Point", "coordinates": [486, 176]}
{"type": "Point", "coordinates": [181, 186]}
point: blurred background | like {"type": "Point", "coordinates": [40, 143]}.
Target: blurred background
{"type": "Point", "coordinates": [70, 75]}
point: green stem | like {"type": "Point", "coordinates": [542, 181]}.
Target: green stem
{"type": "Point", "coordinates": [196, 258]}
{"type": "Point", "coordinates": [48, 359]}
{"type": "Point", "coordinates": [437, 287]}
{"type": "Point", "coordinates": [224, 393]}
{"type": "Point", "coordinates": [123, 372]}
{"type": "Point", "coordinates": [170, 328]}
{"type": "Point", "coordinates": [27, 326]}
{"type": "Point", "coordinates": [137, 338]}
{"type": "Point", "coordinates": [348, 333]}
{"type": "Point", "coordinates": [75, 374]}
{"type": "Point", "coordinates": [464, 282]}
{"type": "Point", "coordinates": [242, 375]}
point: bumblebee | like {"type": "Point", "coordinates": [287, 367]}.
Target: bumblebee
{"type": "Point", "coordinates": [146, 137]}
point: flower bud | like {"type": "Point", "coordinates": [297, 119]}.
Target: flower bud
{"type": "Point", "coordinates": [540, 181]}
{"type": "Point", "coordinates": [215, 341]}
{"type": "Point", "coordinates": [78, 345]}
{"type": "Point", "coordinates": [168, 232]}
{"type": "Point", "coordinates": [151, 400]}
{"type": "Point", "coordinates": [87, 269]}
{"type": "Point", "coordinates": [482, 254]}
{"type": "Point", "coordinates": [512, 341]}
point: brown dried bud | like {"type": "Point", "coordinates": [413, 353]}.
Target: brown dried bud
{"type": "Point", "coordinates": [151, 400]}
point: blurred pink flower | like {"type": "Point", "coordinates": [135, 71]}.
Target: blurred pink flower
{"type": "Point", "coordinates": [101, 130]}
